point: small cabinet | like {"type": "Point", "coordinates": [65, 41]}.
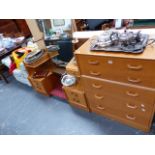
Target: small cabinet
{"type": "Point", "coordinates": [76, 97]}
{"type": "Point", "coordinates": [46, 83]}
{"type": "Point", "coordinates": [43, 85]}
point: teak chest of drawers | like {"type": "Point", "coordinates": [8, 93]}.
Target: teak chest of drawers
{"type": "Point", "coordinates": [119, 86]}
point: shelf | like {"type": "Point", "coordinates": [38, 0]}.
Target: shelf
{"type": "Point", "coordinates": [42, 60]}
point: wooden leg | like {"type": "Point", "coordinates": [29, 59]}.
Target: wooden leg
{"type": "Point", "coordinates": [4, 78]}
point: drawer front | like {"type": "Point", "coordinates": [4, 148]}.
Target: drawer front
{"type": "Point", "coordinates": [130, 113]}
{"type": "Point", "coordinates": [121, 90]}
{"type": "Point", "coordinates": [38, 86]}
{"type": "Point", "coordinates": [99, 100]}
{"type": "Point", "coordinates": [129, 119]}
{"type": "Point", "coordinates": [75, 96]}
{"type": "Point", "coordinates": [78, 85]}
{"type": "Point", "coordinates": [132, 71]}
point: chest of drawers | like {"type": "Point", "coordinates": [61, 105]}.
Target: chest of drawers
{"type": "Point", "coordinates": [119, 86]}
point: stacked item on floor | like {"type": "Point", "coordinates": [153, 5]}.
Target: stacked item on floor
{"type": "Point", "coordinates": [15, 63]}
{"type": "Point", "coordinates": [20, 72]}
{"type": "Point", "coordinates": [21, 75]}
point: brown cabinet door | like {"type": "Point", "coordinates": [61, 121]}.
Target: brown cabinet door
{"type": "Point", "coordinates": [76, 97]}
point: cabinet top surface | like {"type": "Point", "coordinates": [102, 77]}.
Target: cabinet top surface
{"type": "Point", "coordinates": [45, 57]}
{"type": "Point", "coordinates": [148, 53]}
{"type": "Point", "coordinates": [72, 65]}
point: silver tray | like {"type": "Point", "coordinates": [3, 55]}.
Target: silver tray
{"type": "Point", "coordinates": [138, 48]}
{"type": "Point", "coordinates": [33, 56]}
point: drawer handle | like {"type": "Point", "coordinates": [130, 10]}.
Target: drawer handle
{"type": "Point", "coordinates": [99, 97]}
{"type": "Point", "coordinates": [131, 106]}
{"type": "Point", "coordinates": [96, 86]}
{"type": "Point", "coordinates": [95, 73]}
{"type": "Point", "coordinates": [134, 67]}
{"type": "Point", "coordinates": [91, 62]}
{"type": "Point", "coordinates": [100, 107]}
{"type": "Point", "coordinates": [134, 80]}
{"type": "Point", "coordinates": [143, 109]}
{"type": "Point", "coordinates": [129, 93]}
{"type": "Point", "coordinates": [130, 117]}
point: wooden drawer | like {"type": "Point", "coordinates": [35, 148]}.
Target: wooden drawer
{"type": "Point", "coordinates": [43, 85]}
{"type": "Point", "coordinates": [78, 85]}
{"type": "Point", "coordinates": [38, 86]}
{"type": "Point", "coordinates": [76, 97]}
{"type": "Point", "coordinates": [139, 94]}
{"type": "Point", "coordinates": [130, 113]}
{"type": "Point", "coordinates": [123, 117]}
{"type": "Point", "coordinates": [132, 71]}
{"type": "Point", "coordinates": [100, 100]}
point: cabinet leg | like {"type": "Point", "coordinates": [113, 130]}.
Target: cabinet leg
{"type": "Point", "coordinates": [3, 78]}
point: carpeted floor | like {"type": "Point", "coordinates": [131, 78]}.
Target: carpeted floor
{"type": "Point", "coordinates": [23, 111]}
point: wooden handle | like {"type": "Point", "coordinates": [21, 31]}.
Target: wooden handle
{"type": "Point", "coordinates": [95, 73]}
{"type": "Point", "coordinates": [133, 94]}
{"type": "Point", "coordinates": [134, 80]}
{"type": "Point", "coordinates": [131, 106]}
{"type": "Point", "coordinates": [139, 67]}
{"type": "Point", "coordinates": [96, 86]}
{"type": "Point", "coordinates": [130, 117]}
{"type": "Point", "coordinates": [143, 109]}
{"type": "Point", "coordinates": [100, 107]}
{"type": "Point", "coordinates": [98, 97]}
{"type": "Point", "coordinates": [91, 62]}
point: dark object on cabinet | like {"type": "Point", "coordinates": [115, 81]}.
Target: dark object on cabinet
{"type": "Point", "coordinates": [66, 50]}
